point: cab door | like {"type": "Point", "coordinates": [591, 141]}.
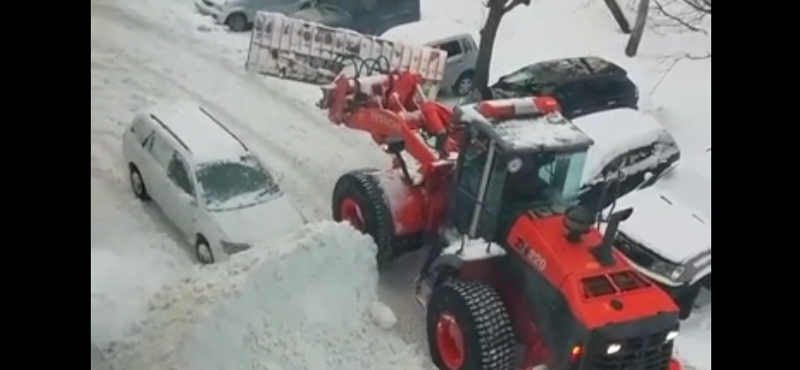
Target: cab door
{"type": "Point", "coordinates": [472, 178]}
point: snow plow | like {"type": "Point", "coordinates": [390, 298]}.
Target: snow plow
{"type": "Point", "coordinates": [517, 276]}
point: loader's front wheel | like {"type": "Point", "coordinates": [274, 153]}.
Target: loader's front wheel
{"type": "Point", "coordinates": [469, 328]}
{"type": "Point", "coordinates": [359, 200]}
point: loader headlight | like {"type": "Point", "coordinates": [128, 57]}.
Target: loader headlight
{"type": "Point", "coordinates": [613, 348]}
{"type": "Point", "coordinates": [672, 335]}
{"type": "Point", "coordinates": [668, 270]}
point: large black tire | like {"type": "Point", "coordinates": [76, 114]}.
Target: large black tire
{"type": "Point", "coordinates": [464, 85]}
{"type": "Point", "coordinates": [237, 22]}
{"type": "Point", "coordinates": [137, 183]}
{"type": "Point", "coordinates": [363, 187]}
{"type": "Point", "coordinates": [488, 335]}
{"type": "Point", "coordinates": [685, 298]}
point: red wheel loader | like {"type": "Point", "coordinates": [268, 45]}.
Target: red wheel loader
{"type": "Point", "coordinates": [518, 276]}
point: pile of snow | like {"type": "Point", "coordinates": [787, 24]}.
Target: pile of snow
{"type": "Point", "coordinates": [122, 282]}
{"type": "Point", "coordinates": [307, 302]}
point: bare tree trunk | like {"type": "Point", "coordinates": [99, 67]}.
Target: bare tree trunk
{"type": "Point", "coordinates": [486, 47]}
{"type": "Point", "coordinates": [638, 29]}
{"type": "Point", "coordinates": [619, 16]}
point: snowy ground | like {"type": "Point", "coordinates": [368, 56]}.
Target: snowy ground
{"type": "Point", "coordinates": [152, 49]}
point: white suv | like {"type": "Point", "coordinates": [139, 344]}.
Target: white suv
{"type": "Point", "coordinates": [668, 236]}
{"type": "Point", "coordinates": [205, 180]}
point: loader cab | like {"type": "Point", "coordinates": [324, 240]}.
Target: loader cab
{"type": "Point", "coordinates": [513, 163]}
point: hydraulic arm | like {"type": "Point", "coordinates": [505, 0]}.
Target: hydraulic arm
{"type": "Point", "coordinates": [393, 107]}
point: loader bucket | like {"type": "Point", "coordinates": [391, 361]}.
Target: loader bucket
{"type": "Point", "coordinates": [313, 53]}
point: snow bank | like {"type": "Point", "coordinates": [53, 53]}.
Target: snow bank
{"type": "Point", "coordinates": [120, 289]}
{"type": "Point", "coordinates": [304, 303]}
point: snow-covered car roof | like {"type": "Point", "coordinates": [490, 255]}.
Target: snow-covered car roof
{"type": "Point", "coordinates": [616, 132]}
{"type": "Point", "coordinates": [427, 31]}
{"type": "Point", "coordinates": [205, 138]}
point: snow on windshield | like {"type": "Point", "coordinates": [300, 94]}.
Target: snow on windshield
{"type": "Point", "coordinates": [227, 185]}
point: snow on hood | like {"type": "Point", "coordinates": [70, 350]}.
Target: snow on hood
{"type": "Point", "coordinates": [665, 225]}
{"type": "Point", "coordinates": [259, 223]}
{"type": "Point", "coordinates": [618, 131]}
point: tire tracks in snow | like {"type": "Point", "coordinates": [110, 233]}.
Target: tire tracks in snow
{"type": "Point", "coordinates": [311, 151]}
{"type": "Point", "coordinates": [309, 170]}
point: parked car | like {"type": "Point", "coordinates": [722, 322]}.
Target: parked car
{"type": "Point", "coordinates": [582, 85]}
{"type": "Point", "coordinates": [206, 181]}
{"type": "Point", "coordinates": [366, 16]}
{"type": "Point", "coordinates": [460, 45]}
{"type": "Point", "coordinates": [668, 236]}
{"type": "Point", "coordinates": [629, 147]}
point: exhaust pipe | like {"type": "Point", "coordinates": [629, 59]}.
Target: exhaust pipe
{"type": "Point", "coordinates": [603, 252]}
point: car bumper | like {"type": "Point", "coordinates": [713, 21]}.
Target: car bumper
{"type": "Point", "coordinates": [206, 9]}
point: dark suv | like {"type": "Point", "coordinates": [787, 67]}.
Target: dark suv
{"type": "Point", "coordinates": [582, 85]}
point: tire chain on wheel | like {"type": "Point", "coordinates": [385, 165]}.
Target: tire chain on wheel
{"type": "Point", "coordinates": [479, 307]}
{"type": "Point", "coordinates": [363, 185]}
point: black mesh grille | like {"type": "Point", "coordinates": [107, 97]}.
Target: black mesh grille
{"type": "Point", "coordinates": [650, 352]}
{"type": "Point", "coordinates": [634, 251]}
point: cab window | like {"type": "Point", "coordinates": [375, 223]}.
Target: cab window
{"type": "Point", "coordinates": [178, 173]}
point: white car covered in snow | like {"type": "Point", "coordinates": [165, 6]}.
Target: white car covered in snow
{"type": "Point", "coordinates": [205, 180]}
{"type": "Point", "coordinates": [668, 236]}
{"type": "Point", "coordinates": [629, 144]}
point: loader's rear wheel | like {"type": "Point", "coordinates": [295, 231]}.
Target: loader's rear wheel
{"type": "Point", "coordinates": [359, 200]}
{"type": "Point", "coordinates": [469, 328]}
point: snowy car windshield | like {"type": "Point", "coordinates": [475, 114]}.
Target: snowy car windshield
{"type": "Point", "coordinates": [229, 185]}
{"type": "Point", "coordinates": [522, 76]}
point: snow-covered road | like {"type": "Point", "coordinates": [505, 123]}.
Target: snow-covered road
{"type": "Point", "coordinates": [141, 53]}
{"type": "Point", "coordinates": [136, 61]}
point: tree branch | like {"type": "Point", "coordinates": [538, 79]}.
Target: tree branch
{"type": "Point", "coordinates": [514, 3]}
{"type": "Point", "coordinates": [702, 6]}
{"type": "Point", "coordinates": [679, 19]}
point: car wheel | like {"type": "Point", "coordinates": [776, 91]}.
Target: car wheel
{"type": "Point", "coordinates": [237, 22]}
{"type": "Point", "coordinates": [203, 251]}
{"type": "Point", "coordinates": [137, 183]}
{"type": "Point", "coordinates": [464, 84]}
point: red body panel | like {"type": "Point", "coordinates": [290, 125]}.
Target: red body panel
{"type": "Point", "coordinates": [567, 264]}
